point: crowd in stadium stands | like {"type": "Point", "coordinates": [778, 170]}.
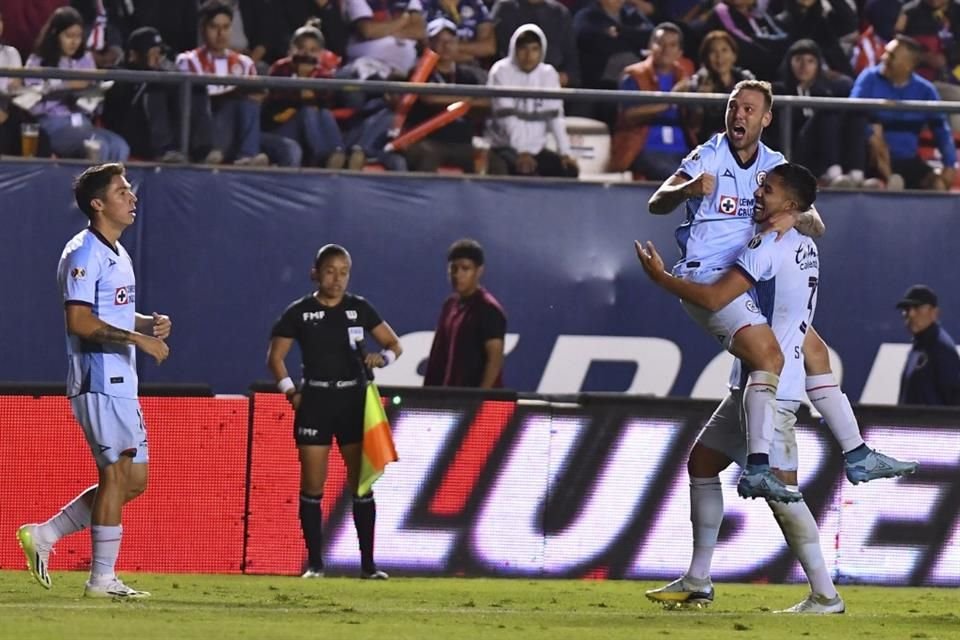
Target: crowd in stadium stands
{"type": "Point", "coordinates": [831, 48]}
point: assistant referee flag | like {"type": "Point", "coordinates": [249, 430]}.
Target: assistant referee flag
{"type": "Point", "coordinates": [378, 449]}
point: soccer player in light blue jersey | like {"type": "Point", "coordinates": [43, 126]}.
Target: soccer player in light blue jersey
{"type": "Point", "coordinates": [103, 332]}
{"type": "Point", "coordinates": [717, 182]}
{"type": "Point", "coordinates": [785, 274]}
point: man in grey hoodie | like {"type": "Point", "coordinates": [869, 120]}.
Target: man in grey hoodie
{"type": "Point", "coordinates": [519, 126]}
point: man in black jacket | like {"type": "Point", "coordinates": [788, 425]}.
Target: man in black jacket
{"type": "Point", "coordinates": [147, 115]}
{"type": "Point", "coordinates": [931, 375]}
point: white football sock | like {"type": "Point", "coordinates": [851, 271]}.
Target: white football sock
{"type": "Point", "coordinates": [833, 405]}
{"type": "Point", "coordinates": [74, 517]}
{"type": "Point", "coordinates": [760, 407]}
{"type": "Point", "coordinates": [106, 548]}
{"type": "Point", "coordinates": [706, 514]}
{"type": "Point", "coordinates": [800, 529]}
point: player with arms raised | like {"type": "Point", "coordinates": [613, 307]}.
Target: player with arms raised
{"type": "Point", "coordinates": [717, 182]}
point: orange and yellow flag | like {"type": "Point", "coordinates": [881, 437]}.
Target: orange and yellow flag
{"type": "Point", "coordinates": [378, 449]}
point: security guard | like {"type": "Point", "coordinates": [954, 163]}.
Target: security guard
{"type": "Point", "coordinates": [328, 326]}
{"type": "Point", "coordinates": [931, 375]}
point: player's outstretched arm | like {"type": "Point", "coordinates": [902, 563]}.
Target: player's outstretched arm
{"type": "Point", "coordinates": [82, 323]}
{"type": "Point", "coordinates": [678, 188]}
{"type": "Point", "coordinates": [712, 297]}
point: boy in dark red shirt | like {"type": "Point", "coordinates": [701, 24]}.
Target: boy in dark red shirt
{"type": "Point", "coordinates": [467, 347]}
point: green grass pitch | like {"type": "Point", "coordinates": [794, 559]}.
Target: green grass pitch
{"type": "Point", "coordinates": [206, 607]}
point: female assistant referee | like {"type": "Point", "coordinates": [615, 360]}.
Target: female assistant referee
{"type": "Point", "coordinates": [329, 325]}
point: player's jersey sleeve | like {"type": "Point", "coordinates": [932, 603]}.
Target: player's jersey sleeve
{"type": "Point", "coordinates": [702, 159]}
{"type": "Point", "coordinates": [80, 271]}
{"type": "Point", "coordinates": [286, 326]}
{"type": "Point", "coordinates": [761, 258]}
{"type": "Point", "coordinates": [369, 317]}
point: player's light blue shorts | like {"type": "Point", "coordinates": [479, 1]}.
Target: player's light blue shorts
{"type": "Point", "coordinates": [113, 427]}
{"type": "Point", "coordinates": [724, 432]}
{"type": "Point", "coordinates": [723, 324]}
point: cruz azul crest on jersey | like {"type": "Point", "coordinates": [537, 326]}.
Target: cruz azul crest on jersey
{"type": "Point", "coordinates": [123, 295]}
{"type": "Point", "coordinates": [728, 205]}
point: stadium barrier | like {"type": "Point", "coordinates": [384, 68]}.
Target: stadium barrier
{"type": "Point", "coordinates": [784, 105]}
{"type": "Point", "coordinates": [488, 485]}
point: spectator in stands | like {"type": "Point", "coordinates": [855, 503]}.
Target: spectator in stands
{"type": "Point", "coordinates": [931, 374]}
{"type": "Point", "coordinates": [236, 111]}
{"type": "Point", "coordinates": [804, 19]}
{"type": "Point", "coordinates": [332, 25]}
{"type": "Point", "coordinates": [894, 136]}
{"type": "Point", "coordinates": [935, 24]}
{"type": "Point", "coordinates": [63, 113]}
{"type": "Point", "coordinates": [649, 138]}
{"type": "Point", "coordinates": [148, 115]}
{"type": "Point", "coordinates": [831, 144]}
{"type": "Point", "coordinates": [476, 40]}
{"type": "Point", "coordinates": [761, 41]}
{"type": "Point", "coordinates": [468, 344]}
{"type": "Point", "coordinates": [12, 116]}
{"type": "Point", "coordinates": [304, 115]}
{"type": "Point", "coordinates": [519, 126]}
{"type": "Point", "coordinates": [176, 20]}
{"type": "Point", "coordinates": [718, 73]}
{"type": "Point", "coordinates": [104, 36]}
{"type": "Point", "coordinates": [387, 31]}
{"type": "Point", "coordinates": [554, 21]}
{"type": "Point", "coordinates": [453, 144]}
{"type": "Point", "coordinates": [604, 29]}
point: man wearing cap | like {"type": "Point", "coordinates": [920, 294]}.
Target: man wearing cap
{"type": "Point", "coordinates": [451, 145]}
{"type": "Point", "coordinates": [147, 115]}
{"type": "Point", "coordinates": [931, 375]}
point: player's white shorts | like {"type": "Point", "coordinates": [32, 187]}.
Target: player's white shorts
{"type": "Point", "coordinates": [724, 432]}
{"type": "Point", "coordinates": [113, 426]}
{"type": "Point", "coordinates": [724, 324]}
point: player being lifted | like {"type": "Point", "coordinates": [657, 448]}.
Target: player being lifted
{"type": "Point", "coordinates": [717, 182]}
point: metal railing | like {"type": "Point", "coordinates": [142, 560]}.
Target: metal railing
{"type": "Point", "coordinates": [784, 105]}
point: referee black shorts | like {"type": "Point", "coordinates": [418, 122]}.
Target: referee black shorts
{"type": "Point", "coordinates": [326, 413]}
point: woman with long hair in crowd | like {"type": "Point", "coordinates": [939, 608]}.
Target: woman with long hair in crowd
{"type": "Point", "coordinates": [718, 73]}
{"type": "Point", "coordinates": [71, 130]}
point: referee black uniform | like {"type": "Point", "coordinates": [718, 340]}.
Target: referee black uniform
{"type": "Point", "coordinates": [332, 392]}
{"type": "Point", "coordinates": [332, 389]}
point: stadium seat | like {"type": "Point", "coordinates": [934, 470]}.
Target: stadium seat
{"type": "Point", "coordinates": [590, 145]}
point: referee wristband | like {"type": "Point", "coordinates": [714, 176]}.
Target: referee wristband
{"type": "Point", "coordinates": [389, 357]}
{"type": "Point", "coordinates": [286, 385]}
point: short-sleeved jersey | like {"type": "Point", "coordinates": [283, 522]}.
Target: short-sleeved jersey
{"type": "Point", "coordinates": [328, 336]}
{"type": "Point", "coordinates": [785, 276]}
{"type": "Point", "coordinates": [458, 355]}
{"type": "Point", "coordinates": [92, 272]}
{"type": "Point", "coordinates": [718, 226]}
